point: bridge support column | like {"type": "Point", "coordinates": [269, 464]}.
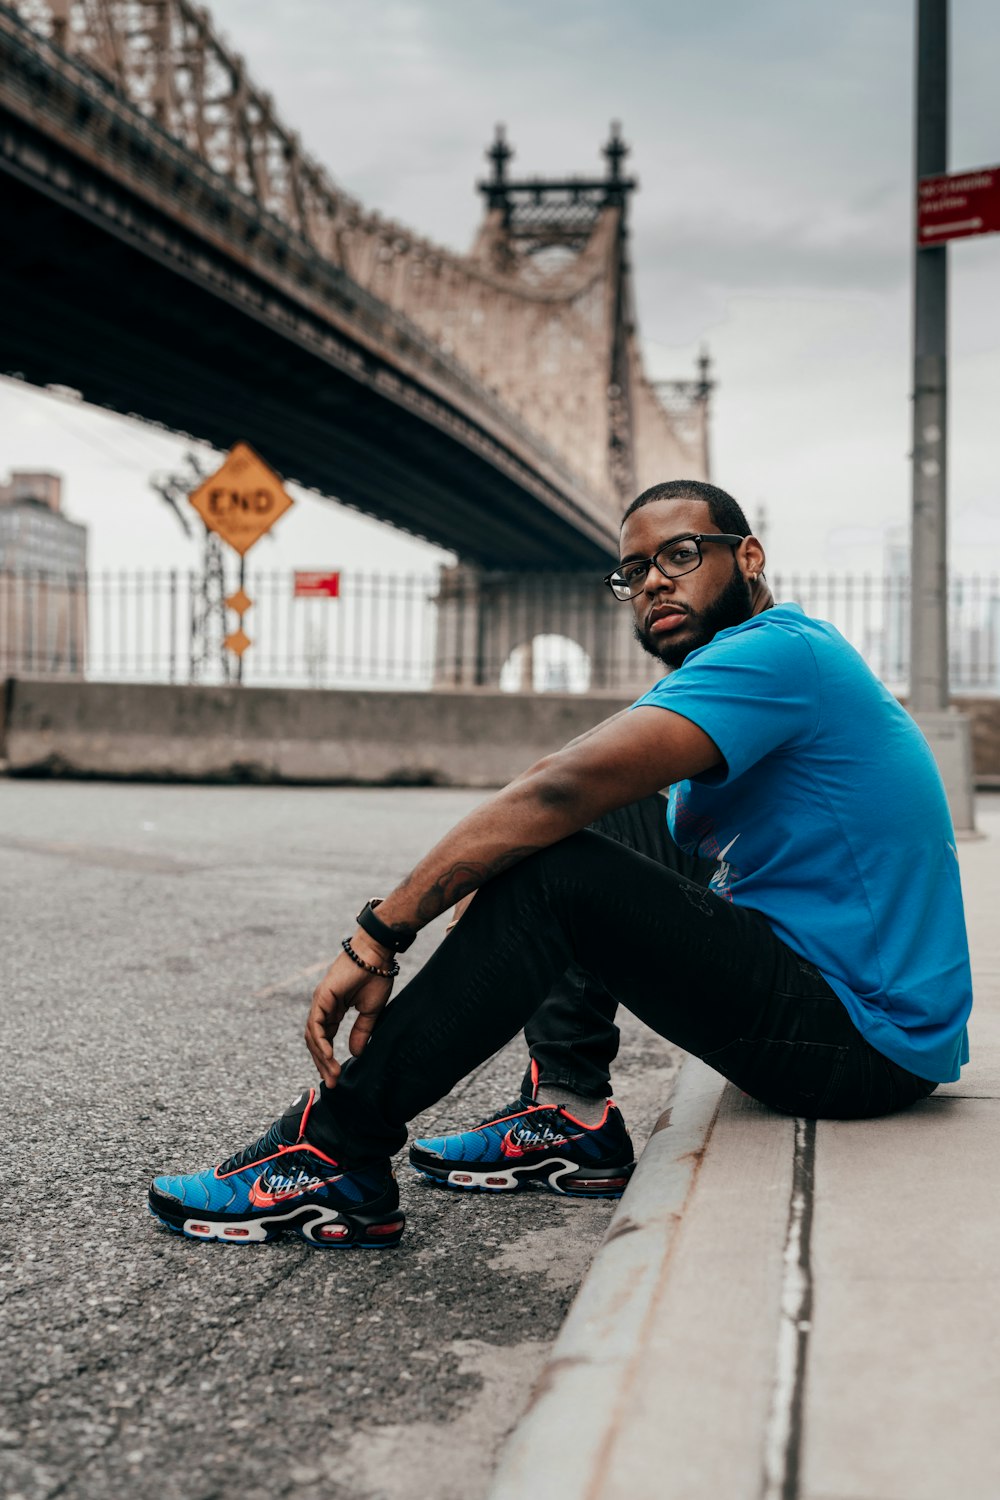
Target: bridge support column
{"type": "Point", "coordinates": [535, 632]}
{"type": "Point", "coordinates": [458, 639]}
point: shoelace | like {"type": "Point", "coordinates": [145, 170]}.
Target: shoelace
{"type": "Point", "coordinates": [516, 1107]}
{"type": "Point", "coordinates": [263, 1146]}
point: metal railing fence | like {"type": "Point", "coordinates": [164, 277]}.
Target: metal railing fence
{"type": "Point", "coordinates": [457, 628]}
{"type": "Point", "coordinates": [159, 625]}
{"type": "Point", "coordinates": [873, 612]}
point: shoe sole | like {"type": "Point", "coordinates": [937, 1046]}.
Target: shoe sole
{"type": "Point", "coordinates": [555, 1175]}
{"type": "Point", "coordinates": [319, 1226]}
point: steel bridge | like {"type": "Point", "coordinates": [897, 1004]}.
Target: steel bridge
{"type": "Point", "coordinates": [170, 249]}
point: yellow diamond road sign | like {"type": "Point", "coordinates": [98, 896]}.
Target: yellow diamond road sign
{"type": "Point", "coordinates": [237, 642]}
{"type": "Point", "coordinates": [239, 602]}
{"type": "Point", "coordinates": [241, 500]}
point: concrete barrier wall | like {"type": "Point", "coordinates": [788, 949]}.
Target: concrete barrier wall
{"type": "Point", "coordinates": [154, 732]}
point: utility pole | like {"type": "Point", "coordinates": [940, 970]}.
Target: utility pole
{"type": "Point", "coordinates": [947, 732]}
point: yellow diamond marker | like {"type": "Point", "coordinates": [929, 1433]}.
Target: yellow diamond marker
{"type": "Point", "coordinates": [241, 500]}
{"type": "Point", "coordinates": [239, 602]}
{"type": "Point", "coordinates": [237, 642]}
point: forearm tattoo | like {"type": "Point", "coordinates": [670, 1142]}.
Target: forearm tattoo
{"type": "Point", "coordinates": [458, 881]}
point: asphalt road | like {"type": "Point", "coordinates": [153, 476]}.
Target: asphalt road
{"type": "Point", "coordinates": [157, 948]}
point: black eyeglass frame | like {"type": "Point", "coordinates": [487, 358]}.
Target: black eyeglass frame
{"type": "Point", "coordinates": [697, 537]}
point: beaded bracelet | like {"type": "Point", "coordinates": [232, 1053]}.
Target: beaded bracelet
{"type": "Point", "coordinates": [389, 973]}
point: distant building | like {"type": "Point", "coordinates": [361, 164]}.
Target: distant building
{"type": "Point", "coordinates": [35, 486]}
{"type": "Point", "coordinates": [35, 537]}
{"type": "Point", "coordinates": [43, 580]}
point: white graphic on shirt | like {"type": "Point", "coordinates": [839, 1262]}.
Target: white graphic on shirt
{"type": "Point", "coordinates": [720, 880]}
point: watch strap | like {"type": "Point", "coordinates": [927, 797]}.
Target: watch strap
{"type": "Point", "coordinates": [396, 942]}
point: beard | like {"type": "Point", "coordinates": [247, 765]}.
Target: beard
{"type": "Point", "coordinates": [732, 607]}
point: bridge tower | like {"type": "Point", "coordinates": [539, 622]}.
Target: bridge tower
{"type": "Point", "coordinates": [556, 250]}
{"type": "Point", "coordinates": [563, 244]}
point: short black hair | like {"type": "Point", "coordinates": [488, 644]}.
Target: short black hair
{"type": "Point", "coordinates": [726, 513]}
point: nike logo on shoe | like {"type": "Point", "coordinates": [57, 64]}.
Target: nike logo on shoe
{"type": "Point", "coordinates": [521, 1138]}
{"type": "Point", "coordinates": [272, 1188]}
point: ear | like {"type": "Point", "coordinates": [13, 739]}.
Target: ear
{"type": "Point", "coordinates": [750, 557]}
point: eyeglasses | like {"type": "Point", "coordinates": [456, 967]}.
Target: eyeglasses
{"type": "Point", "coordinates": [675, 558]}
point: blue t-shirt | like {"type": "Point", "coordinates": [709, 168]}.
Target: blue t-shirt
{"type": "Point", "coordinates": [828, 817]}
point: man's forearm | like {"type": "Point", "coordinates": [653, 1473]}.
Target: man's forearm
{"type": "Point", "coordinates": [621, 760]}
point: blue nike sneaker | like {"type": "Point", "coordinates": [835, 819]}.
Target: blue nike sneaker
{"type": "Point", "coordinates": [279, 1182]}
{"type": "Point", "coordinates": [529, 1144]}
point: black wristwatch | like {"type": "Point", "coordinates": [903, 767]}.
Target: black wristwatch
{"type": "Point", "coordinates": [396, 942]}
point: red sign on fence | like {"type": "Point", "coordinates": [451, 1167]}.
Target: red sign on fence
{"type": "Point", "coordinates": [317, 585]}
{"type": "Point", "coordinates": [958, 205]}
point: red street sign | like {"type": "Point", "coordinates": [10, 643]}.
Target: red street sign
{"type": "Point", "coordinates": [317, 585]}
{"type": "Point", "coordinates": [958, 205]}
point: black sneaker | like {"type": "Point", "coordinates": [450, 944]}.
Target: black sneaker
{"type": "Point", "coordinates": [282, 1182]}
{"type": "Point", "coordinates": [529, 1144]}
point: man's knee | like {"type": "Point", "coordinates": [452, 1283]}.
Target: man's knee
{"type": "Point", "coordinates": [638, 825]}
{"type": "Point", "coordinates": [569, 857]}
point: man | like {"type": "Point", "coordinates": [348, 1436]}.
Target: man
{"type": "Point", "coordinates": [824, 969]}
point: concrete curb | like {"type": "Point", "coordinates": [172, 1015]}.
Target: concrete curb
{"type": "Point", "coordinates": [562, 1439]}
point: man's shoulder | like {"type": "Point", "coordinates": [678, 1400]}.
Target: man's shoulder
{"type": "Point", "coordinates": [784, 629]}
{"type": "Point", "coordinates": [781, 630]}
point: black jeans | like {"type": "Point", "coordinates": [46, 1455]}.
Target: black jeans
{"type": "Point", "coordinates": [708, 975]}
{"type": "Point", "coordinates": [572, 1035]}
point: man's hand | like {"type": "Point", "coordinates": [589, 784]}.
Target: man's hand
{"type": "Point", "coordinates": [345, 985]}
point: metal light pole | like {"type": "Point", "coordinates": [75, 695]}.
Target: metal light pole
{"type": "Point", "coordinates": [946, 731]}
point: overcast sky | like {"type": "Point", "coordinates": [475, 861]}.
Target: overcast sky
{"type": "Point", "coordinates": [772, 143]}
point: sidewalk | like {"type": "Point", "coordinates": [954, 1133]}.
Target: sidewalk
{"type": "Point", "coordinates": [784, 1310]}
